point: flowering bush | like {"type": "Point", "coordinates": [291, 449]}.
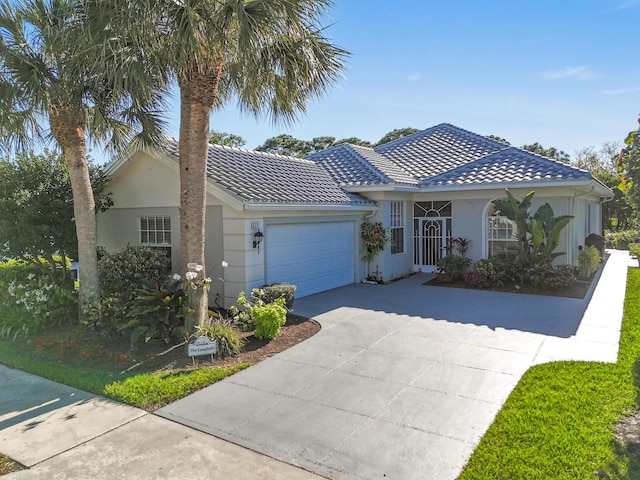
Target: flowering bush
{"type": "Point", "coordinates": [31, 301]}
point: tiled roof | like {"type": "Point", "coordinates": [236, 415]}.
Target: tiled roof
{"type": "Point", "coordinates": [354, 165]}
{"type": "Point", "coordinates": [438, 149]}
{"type": "Point", "coordinates": [509, 165]}
{"type": "Point", "coordinates": [257, 177]}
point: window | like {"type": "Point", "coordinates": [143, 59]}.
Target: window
{"type": "Point", "coordinates": [155, 231]}
{"type": "Point", "coordinates": [502, 236]}
{"type": "Point", "coordinates": [397, 227]}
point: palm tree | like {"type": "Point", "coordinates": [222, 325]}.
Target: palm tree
{"type": "Point", "coordinates": [272, 56]}
{"type": "Point", "coordinates": [62, 81]}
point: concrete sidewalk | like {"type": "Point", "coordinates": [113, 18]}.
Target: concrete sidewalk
{"type": "Point", "coordinates": [64, 433]}
{"type": "Point", "coordinates": [402, 382]}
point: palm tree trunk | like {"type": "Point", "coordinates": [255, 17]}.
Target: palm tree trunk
{"type": "Point", "coordinates": [198, 90]}
{"type": "Point", "coordinates": [70, 137]}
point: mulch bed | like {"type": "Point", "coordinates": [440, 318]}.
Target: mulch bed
{"type": "Point", "coordinates": [577, 290]}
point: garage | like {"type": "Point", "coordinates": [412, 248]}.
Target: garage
{"type": "Point", "coordinates": [313, 256]}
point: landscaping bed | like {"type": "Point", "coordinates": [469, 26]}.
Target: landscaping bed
{"type": "Point", "coordinates": [578, 289]}
{"type": "Point", "coordinates": [77, 346]}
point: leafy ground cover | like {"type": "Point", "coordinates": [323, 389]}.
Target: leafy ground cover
{"type": "Point", "coordinates": [567, 420]}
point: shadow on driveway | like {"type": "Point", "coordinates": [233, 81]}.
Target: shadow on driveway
{"type": "Point", "coordinates": [553, 316]}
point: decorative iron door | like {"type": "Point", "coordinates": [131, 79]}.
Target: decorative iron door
{"type": "Point", "coordinates": [431, 233]}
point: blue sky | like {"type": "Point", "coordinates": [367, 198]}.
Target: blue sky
{"type": "Point", "coordinates": [561, 73]}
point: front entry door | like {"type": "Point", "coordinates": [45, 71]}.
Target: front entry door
{"type": "Point", "coordinates": [432, 237]}
{"type": "Point", "coordinates": [431, 233]}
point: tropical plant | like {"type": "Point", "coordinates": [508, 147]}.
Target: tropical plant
{"type": "Point", "coordinates": [538, 235]}
{"type": "Point", "coordinates": [461, 245]}
{"type": "Point", "coordinates": [374, 238]}
{"type": "Point", "coordinates": [272, 57]}
{"type": "Point", "coordinates": [629, 166]}
{"type": "Point", "coordinates": [55, 85]}
{"type": "Point", "coordinates": [545, 229]}
{"type": "Point", "coordinates": [158, 311]}
{"type": "Point", "coordinates": [517, 211]}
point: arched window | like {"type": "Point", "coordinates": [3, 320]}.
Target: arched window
{"type": "Point", "coordinates": [502, 235]}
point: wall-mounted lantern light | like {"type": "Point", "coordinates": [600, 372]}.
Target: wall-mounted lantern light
{"type": "Point", "coordinates": [257, 239]}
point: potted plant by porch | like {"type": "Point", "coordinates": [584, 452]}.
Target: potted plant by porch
{"type": "Point", "coordinates": [374, 238]}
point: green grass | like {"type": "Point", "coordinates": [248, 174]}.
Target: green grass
{"type": "Point", "coordinates": [145, 390]}
{"type": "Point", "coordinates": [559, 420]}
{"type": "Point", "coordinates": [154, 390]}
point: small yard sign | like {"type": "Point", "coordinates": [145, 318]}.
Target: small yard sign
{"type": "Point", "coordinates": [202, 346]}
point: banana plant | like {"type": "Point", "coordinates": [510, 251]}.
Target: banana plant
{"type": "Point", "coordinates": [517, 211]}
{"type": "Point", "coordinates": [545, 229]}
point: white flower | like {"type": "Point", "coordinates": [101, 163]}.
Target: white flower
{"type": "Point", "coordinates": [224, 264]}
{"type": "Point", "coordinates": [198, 268]}
{"type": "Point", "coordinates": [176, 276]}
{"type": "Point", "coordinates": [192, 265]}
{"type": "Point", "coordinates": [190, 276]}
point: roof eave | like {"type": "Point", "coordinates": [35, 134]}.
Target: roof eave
{"type": "Point", "coordinates": [530, 184]}
{"type": "Point", "coordinates": [308, 206]}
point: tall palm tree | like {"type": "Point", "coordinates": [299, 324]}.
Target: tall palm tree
{"type": "Point", "coordinates": [271, 56]}
{"type": "Point", "coordinates": [60, 80]}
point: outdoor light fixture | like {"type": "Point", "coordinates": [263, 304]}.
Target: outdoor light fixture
{"type": "Point", "coordinates": [257, 239]}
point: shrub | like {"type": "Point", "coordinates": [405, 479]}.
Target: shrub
{"type": "Point", "coordinates": [588, 261]}
{"type": "Point", "coordinates": [444, 278]}
{"type": "Point", "coordinates": [545, 276]}
{"type": "Point", "coordinates": [634, 249]}
{"type": "Point", "coordinates": [123, 272]}
{"type": "Point", "coordinates": [226, 337]}
{"type": "Point", "coordinates": [269, 318]}
{"type": "Point", "coordinates": [621, 239]}
{"type": "Point", "coordinates": [454, 265]}
{"type": "Point", "coordinates": [269, 293]}
{"type": "Point", "coordinates": [30, 301]}
{"type": "Point", "coordinates": [487, 268]}
{"type": "Point", "coordinates": [106, 315]}
{"type": "Point", "coordinates": [476, 279]}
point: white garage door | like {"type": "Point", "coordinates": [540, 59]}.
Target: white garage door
{"type": "Point", "coordinates": [313, 256]}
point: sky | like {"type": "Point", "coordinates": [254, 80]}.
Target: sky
{"type": "Point", "coordinates": [561, 73]}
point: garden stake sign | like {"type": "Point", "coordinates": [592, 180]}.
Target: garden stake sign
{"type": "Point", "coordinates": [202, 346]}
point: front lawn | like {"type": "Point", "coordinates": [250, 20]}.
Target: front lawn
{"type": "Point", "coordinates": [559, 421]}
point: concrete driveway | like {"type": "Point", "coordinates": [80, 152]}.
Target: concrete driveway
{"type": "Point", "coordinates": [403, 380]}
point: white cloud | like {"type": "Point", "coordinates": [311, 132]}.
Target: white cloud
{"type": "Point", "coordinates": [621, 91]}
{"type": "Point", "coordinates": [580, 73]}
